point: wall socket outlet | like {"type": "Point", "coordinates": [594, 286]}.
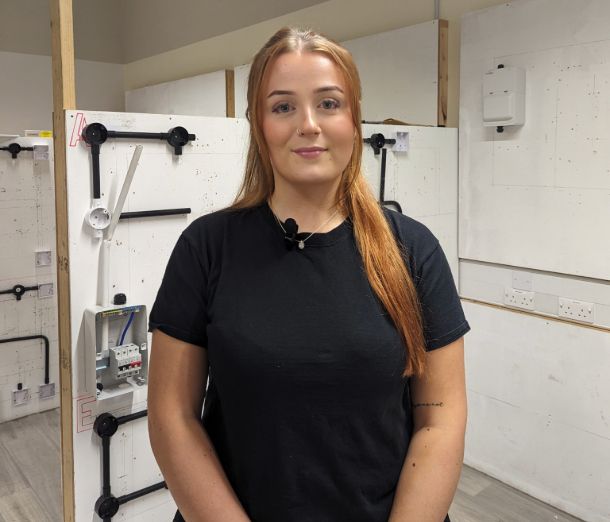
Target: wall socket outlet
{"type": "Point", "coordinates": [519, 298]}
{"type": "Point", "coordinates": [576, 310]}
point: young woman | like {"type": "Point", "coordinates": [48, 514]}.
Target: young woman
{"type": "Point", "coordinates": [330, 328]}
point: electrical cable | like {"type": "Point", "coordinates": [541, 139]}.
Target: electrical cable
{"type": "Point", "coordinates": [126, 328]}
{"type": "Point", "coordinates": [122, 331]}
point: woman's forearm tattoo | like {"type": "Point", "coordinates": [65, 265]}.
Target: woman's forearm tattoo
{"type": "Point", "coordinates": [428, 404]}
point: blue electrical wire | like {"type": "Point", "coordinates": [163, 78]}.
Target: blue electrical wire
{"type": "Point", "coordinates": [126, 328]}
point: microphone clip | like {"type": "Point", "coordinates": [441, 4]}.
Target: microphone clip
{"type": "Point", "coordinates": [290, 236]}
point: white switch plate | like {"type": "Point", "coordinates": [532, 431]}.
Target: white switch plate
{"type": "Point", "coordinates": [402, 142]}
{"type": "Point", "coordinates": [43, 258]}
{"type": "Point", "coordinates": [576, 310]}
{"type": "Point", "coordinates": [519, 298]}
{"type": "Point", "coordinates": [21, 396]}
{"type": "Point", "coordinates": [41, 152]}
{"type": "Point", "coordinates": [522, 280]}
{"type": "Point", "coordinates": [46, 391]}
{"type": "Point", "coordinates": [45, 290]}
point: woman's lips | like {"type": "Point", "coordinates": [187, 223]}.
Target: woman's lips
{"type": "Point", "coordinates": [309, 152]}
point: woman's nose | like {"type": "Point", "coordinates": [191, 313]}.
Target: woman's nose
{"type": "Point", "coordinates": [309, 123]}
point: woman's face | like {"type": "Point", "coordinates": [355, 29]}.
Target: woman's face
{"type": "Point", "coordinates": [306, 119]}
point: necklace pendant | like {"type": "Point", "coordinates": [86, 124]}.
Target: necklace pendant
{"type": "Point", "coordinates": [301, 245]}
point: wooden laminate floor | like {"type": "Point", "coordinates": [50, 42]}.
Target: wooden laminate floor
{"type": "Point", "coordinates": [30, 482]}
{"type": "Point", "coordinates": [30, 469]}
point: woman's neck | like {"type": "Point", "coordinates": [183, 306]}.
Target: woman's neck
{"type": "Point", "coordinates": [310, 210]}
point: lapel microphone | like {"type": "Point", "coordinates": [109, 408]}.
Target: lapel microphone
{"type": "Point", "coordinates": [291, 228]}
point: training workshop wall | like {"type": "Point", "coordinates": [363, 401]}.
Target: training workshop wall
{"type": "Point", "coordinates": [422, 178]}
{"type": "Point", "coordinates": [201, 95]}
{"type": "Point", "coordinates": [27, 95]}
{"type": "Point", "coordinates": [398, 71]}
{"type": "Point", "coordinates": [534, 202]}
{"type": "Point", "coordinates": [343, 19]}
{"type": "Point", "coordinates": [27, 261]}
{"type": "Point", "coordinates": [548, 180]}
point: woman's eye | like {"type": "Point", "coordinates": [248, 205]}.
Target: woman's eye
{"type": "Point", "coordinates": [281, 107]}
{"type": "Point", "coordinates": [330, 104]}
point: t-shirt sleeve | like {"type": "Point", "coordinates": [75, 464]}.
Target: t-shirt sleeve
{"type": "Point", "coordinates": [180, 307]}
{"type": "Point", "coordinates": [443, 316]}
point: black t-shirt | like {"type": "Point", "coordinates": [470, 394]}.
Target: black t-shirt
{"type": "Point", "coordinates": [306, 405]}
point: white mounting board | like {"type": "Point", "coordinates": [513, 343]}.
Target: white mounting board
{"type": "Point", "coordinates": [538, 196]}
{"type": "Point", "coordinates": [423, 180]}
{"type": "Point", "coordinates": [27, 225]}
{"type": "Point", "coordinates": [205, 178]}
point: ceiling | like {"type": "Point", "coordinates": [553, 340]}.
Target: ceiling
{"type": "Point", "coordinates": [123, 31]}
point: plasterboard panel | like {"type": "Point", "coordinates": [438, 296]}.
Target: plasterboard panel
{"type": "Point", "coordinates": [547, 182]}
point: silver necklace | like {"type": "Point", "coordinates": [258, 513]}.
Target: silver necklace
{"type": "Point", "coordinates": [301, 242]}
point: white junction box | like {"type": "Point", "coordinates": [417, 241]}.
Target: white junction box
{"type": "Point", "coordinates": [504, 97]}
{"type": "Point", "coordinates": [115, 348]}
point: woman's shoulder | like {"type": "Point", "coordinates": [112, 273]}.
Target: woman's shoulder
{"type": "Point", "coordinates": [410, 231]}
{"type": "Point", "coordinates": [417, 239]}
{"type": "Point", "coordinates": [215, 224]}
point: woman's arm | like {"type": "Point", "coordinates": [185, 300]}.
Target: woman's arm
{"type": "Point", "coordinates": [177, 379]}
{"type": "Point", "coordinates": [431, 470]}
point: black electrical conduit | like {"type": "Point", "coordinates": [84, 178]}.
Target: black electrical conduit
{"type": "Point", "coordinates": [14, 149]}
{"type": "Point", "coordinates": [154, 213]}
{"type": "Point", "coordinates": [18, 290]}
{"type": "Point", "coordinates": [46, 350]}
{"type": "Point", "coordinates": [95, 134]}
{"type": "Point", "coordinates": [107, 505]}
{"type": "Point", "coordinates": [378, 142]}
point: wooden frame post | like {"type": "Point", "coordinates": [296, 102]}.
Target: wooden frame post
{"type": "Point", "coordinates": [64, 98]}
{"type": "Point", "coordinates": [443, 72]}
{"type": "Point", "coordinates": [230, 92]}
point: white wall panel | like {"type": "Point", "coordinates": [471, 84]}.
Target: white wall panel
{"type": "Point", "coordinates": [26, 226]}
{"type": "Point", "coordinates": [399, 73]}
{"type": "Point", "coordinates": [533, 206]}
{"type": "Point", "coordinates": [202, 95]}
{"type": "Point", "coordinates": [539, 408]}
{"type": "Point", "coordinates": [422, 180]}
{"type": "Point", "coordinates": [546, 181]}
{"type": "Point", "coordinates": [27, 95]}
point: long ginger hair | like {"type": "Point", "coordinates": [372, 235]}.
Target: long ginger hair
{"type": "Point", "coordinates": [381, 255]}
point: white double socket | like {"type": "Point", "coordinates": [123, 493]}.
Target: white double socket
{"type": "Point", "coordinates": [519, 298]}
{"type": "Point", "coordinates": [576, 310]}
